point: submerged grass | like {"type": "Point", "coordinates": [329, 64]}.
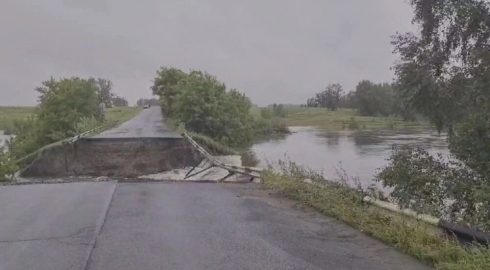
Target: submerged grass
{"type": "Point", "coordinates": [346, 119]}
{"type": "Point", "coordinates": [117, 115]}
{"type": "Point", "coordinates": [411, 236]}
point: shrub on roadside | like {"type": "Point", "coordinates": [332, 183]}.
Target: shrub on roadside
{"type": "Point", "coordinates": [205, 106]}
{"type": "Point", "coordinates": [7, 166]}
{"type": "Point", "coordinates": [64, 104]}
{"type": "Point", "coordinates": [86, 124]}
{"type": "Point", "coordinates": [432, 185]}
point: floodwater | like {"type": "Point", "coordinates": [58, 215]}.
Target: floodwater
{"type": "Point", "coordinates": [355, 156]}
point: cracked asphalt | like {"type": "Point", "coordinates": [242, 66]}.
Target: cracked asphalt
{"type": "Point", "coordinates": [168, 225]}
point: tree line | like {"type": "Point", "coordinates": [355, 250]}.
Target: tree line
{"type": "Point", "coordinates": [150, 102]}
{"type": "Point", "coordinates": [369, 99]}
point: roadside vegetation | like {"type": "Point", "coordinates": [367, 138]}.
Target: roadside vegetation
{"type": "Point", "coordinates": [9, 115]}
{"type": "Point", "coordinates": [338, 200]}
{"type": "Point", "coordinates": [118, 115]}
{"type": "Point", "coordinates": [204, 105]}
{"type": "Point", "coordinates": [445, 77]}
{"type": "Point", "coordinates": [67, 107]}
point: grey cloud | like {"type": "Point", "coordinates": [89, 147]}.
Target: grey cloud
{"type": "Point", "coordinates": [274, 51]}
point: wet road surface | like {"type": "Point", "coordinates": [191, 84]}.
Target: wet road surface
{"type": "Point", "coordinates": [147, 124]}
{"type": "Point", "coordinates": [176, 226]}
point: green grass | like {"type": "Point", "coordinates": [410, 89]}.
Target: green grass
{"type": "Point", "coordinates": [8, 115]}
{"type": "Point", "coordinates": [114, 116]}
{"type": "Point", "coordinates": [346, 119]}
{"type": "Point", "coordinates": [410, 236]}
{"type": "Point", "coordinates": [117, 115]}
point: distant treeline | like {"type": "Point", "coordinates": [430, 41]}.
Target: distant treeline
{"type": "Point", "coordinates": [151, 102]}
{"type": "Point", "coordinates": [369, 99]}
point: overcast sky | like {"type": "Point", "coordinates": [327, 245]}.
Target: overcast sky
{"type": "Point", "coordinates": [273, 50]}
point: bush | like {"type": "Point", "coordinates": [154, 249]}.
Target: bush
{"type": "Point", "coordinates": [205, 106]}
{"type": "Point", "coordinates": [7, 166]}
{"type": "Point", "coordinates": [470, 143]}
{"type": "Point", "coordinates": [63, 105]}
{"type": "Point", "coordinates": [86, 124]}
{"type": "Point", "coordinates": [431, 185]}
{"type": "Point", "coordinates": [265, 127]}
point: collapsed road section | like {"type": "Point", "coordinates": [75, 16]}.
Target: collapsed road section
{"type": "Point", "coordinates": [143, 145]}
{"type": "Point", "coordinates": [116, 157]}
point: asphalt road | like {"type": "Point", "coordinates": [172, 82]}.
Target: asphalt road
{"type": "Point", "coordinates": [50, 226]}
{"type": "Point", "coordinates": [124, 226]}
{"type": "Point", "coordinates": [147, 124]}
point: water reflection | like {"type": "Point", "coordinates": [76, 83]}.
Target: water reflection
{"type": "Point", "coordinates": [359, 153]}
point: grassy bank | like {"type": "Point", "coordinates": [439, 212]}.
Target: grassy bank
{"type": "Point", "coordinates": [114, 116]}
{"type": "Point", "coordinates": [346, 119]}
{"type": "Point", "coordinates": [8, 115]}
{"type": "Point", "coordinates": [117, 115]}
{"type": "Point", "coordinates": [412, 237]}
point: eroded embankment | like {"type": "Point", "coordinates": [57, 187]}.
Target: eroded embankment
{"type": "Point", "coordinates": [120, 157]}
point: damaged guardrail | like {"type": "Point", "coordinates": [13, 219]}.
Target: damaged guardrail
{"type": "Point", "coordinates": [463, 233]}
{"type": "Point", "coordinates": [252, 172]}
{"type": "Point", "coordinates": [69, 140]}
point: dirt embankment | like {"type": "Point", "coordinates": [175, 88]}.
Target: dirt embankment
{"type": "Point", "coordinates": [124, 157]}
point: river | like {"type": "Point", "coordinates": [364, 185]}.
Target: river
{"type": "Point", "coordinates": [356, 154]}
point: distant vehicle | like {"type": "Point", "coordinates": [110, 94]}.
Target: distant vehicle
{"type": "Point", "coordinates": [146, 106]}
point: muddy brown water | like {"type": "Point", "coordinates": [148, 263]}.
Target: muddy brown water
{"type": "Point", "coordinates": [355, 155]}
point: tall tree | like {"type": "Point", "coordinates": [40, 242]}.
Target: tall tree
{"type": "Point", "coordinates": [444, 73]}
{"type": "Point", "coordinates": [105, 94]}
{"type": "Point", "coordinates": [444, 70]}
{"type": "Point", "coordinates": [165, 86]}
{"type": "Point", "coordinates": [332, 96]}
{"type": "Point", "coordinates": [374, 99]}
{"type": "Point", "coordinates": [329, 98]}
{"type": "Point", "coordinates": [62, 104]}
